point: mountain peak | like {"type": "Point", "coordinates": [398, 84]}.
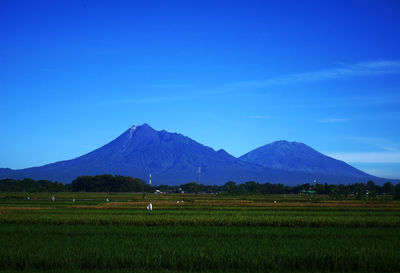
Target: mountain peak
{"type": "Point", "coordinates": [286, 143]}
{"type": "Point", "coordinates": [143, 129]}
{"type": "Point", "coordinates": [145, 125]}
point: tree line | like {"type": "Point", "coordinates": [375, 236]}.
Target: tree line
{"type": "Point", "coordinates": [360, 190]}
{"type": "Point", "coordinates": [30, 185]}
{"type": "Point", "coordinates": [119, 183]}
{"type": "Point", "coordinates": [98, 183]}
{"type": "Point", "coordinates": [109, 183]}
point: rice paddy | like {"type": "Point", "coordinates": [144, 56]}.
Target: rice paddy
{"type": "Point", "coordinates": [204, 233]}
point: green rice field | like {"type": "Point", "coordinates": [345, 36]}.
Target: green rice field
{"type": "Point", "coordinates": [204, 233]}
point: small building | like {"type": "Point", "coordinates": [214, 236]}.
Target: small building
{"type": "Point", "coordinates": [308, 192]}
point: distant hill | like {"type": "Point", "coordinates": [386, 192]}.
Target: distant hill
{"type": "Point", "coordinates": [296, 156]}
{"type": "Point", "coordinates": [174, 159]}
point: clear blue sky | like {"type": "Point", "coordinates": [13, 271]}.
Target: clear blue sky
{"type": "Point", "coordinates": [229, 74]}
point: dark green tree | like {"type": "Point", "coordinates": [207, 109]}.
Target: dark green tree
{"type": "Point", "coordinates": [388, 188]}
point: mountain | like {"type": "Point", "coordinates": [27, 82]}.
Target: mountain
{"type": "Point", "coordinates": [174, 159]}
{"type": "Point", "coordinates": [171, 158]}
{"type": "Point", "coordinates": [296, 156]}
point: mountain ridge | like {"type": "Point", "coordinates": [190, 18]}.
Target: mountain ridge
{"type": "Point", "coordinates": [173, 158]}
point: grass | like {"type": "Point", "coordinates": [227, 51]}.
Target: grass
{"type": "Point", "coordinates": [203, 234]}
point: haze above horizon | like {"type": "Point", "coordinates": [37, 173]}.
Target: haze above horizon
{"type": "Point", "coordinates": [232, 76]}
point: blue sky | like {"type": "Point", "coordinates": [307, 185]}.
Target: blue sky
{"type": "Point", "coordinates": [229, 74]}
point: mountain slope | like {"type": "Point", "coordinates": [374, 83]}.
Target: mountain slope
{"type": "Point", "coordinates": [295, 156]}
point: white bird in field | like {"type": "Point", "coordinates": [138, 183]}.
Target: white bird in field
{"type": "Point", "coordinates": [150, 207]}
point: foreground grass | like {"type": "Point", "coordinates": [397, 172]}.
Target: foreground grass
{"type": "Point", "coordinates": [198, 248]}
{"type": "Point", "coordinates": [200, 235]}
